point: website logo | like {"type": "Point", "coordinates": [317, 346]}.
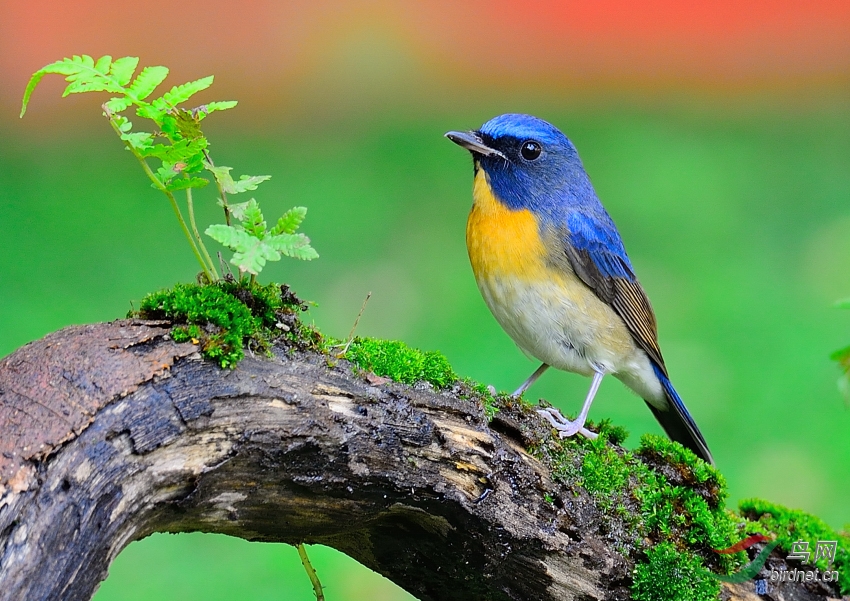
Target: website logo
{"type": "Point", "coordinates": [823, 549]}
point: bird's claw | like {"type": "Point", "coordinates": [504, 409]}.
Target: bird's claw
{"type": "Point", "coordinates": [564, 426]}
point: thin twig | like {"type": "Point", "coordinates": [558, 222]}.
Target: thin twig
{"type": "Point", "coordinates": [354, 327]}
{"type": "Point", "coordinates": [223, 265]}
{"type": "Point", "coordinates": [311, 573]}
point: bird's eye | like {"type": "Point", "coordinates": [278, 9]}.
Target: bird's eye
{"type": "Point", "coordinates": [530, 150]}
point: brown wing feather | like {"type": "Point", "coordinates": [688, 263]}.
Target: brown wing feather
{"type": "Point", "coordinates": [626, 297]}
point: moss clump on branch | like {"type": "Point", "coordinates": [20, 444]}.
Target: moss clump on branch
{"type": "Point", "coordinates": [671, 575]}
{"type": "Point", "coordinates": [225, 317]}
{"type": "Point", "coordinates": [402, 363]}
{"type": "Point", "coordinates": [791, 525]}
{"type": "Point", "coordinates": [661, 505]}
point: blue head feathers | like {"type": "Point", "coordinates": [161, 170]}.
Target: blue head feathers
{"type": "Point", "coordinates": [531, 164]}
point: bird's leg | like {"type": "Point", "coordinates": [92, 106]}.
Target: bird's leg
{"type": "Point", "coordinates": [566, 427]}
{"type": "Point", "coordinates": [531, 380]}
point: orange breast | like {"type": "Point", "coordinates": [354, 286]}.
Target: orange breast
{"type": "Point", "coordinates": [502, 242]}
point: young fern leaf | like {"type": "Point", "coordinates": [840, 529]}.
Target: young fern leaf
{"type": "Point", "coordinates": [165, 173]}
{"type": "Point", "coordinates": [123, 69]}
{"type": "Point", "coordinates": [187, 182]}
{"type": "Point", "coordinates": [293, 245]}
{"type": "Point", "coordinates": [231, 186]}
{"type": "Point", "coordinates": [210, 107]}
{"type": "Point", "coordinates": [249, 253]}
{"type": "Point", "coordinates": [118, 104]}
{"type": "Point", "coordinates": [180, 151]}
{"type": "Point", "coordinates": [253, 245]}
{"type": "Point", "coordinates": [139, 140]}
{"type": "Point", "coordinates": [247, 182]}
{"type": "Point", "coordinates": [176, 95]}
{"type": "Point", "coordinates": [146, 82]}
{"type": "Point", "coordinates": [84, 75]}
{"type": "Point", "coordinates": [253, 222]}
{"type": "Point", "coordinates": [237, 210]}
{"type": "Point", "coordinates": [183, 92]}
{"type": "Point", "coordinates": [290, 222]}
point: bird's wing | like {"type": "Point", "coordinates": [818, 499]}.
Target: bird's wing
{"type": "Point", "coordinates": [596, 254]}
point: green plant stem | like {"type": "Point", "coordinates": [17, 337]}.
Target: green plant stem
{"type": "Point", "coordinates": [221, 191]}
{"type": "Point", "coordinates": [190, 205]}
{"type": "Point", "coordinates": [158, 185]}
{"type": "Point", "coordinates": [188, 235]}
{"type": "Point", "coordinates": [311, 573]}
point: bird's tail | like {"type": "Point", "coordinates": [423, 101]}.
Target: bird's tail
{"type": "Point", "coordinates": [677, 422]}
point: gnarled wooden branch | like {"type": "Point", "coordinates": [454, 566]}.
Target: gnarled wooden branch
{"type": "Point", "coordinates": [113, 431]}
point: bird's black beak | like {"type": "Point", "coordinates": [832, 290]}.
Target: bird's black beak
{"type": "Point", "coordinates": [471, 140]}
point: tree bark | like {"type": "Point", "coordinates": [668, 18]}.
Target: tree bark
{"type": "Point", "coordinates": [112, 432]}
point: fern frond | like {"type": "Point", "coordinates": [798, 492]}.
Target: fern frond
{"type": "Point", "coordinates": [305, 253]}
{"type": "Point", "coordinates": [180, 151]}
{"type": "Point", "coordinates": [165, 173]}
{"type": "Point", "coordinates": [183, 92]}
{"type": "Point", "coordinates": [123, 69]}
{"type": "Point", "coordinates": [293, 245]}
{"type": "Point", "coordinates": [210, 107]}
{"type": "Point", "coordinates": [83, 74]}
{"type": "Point", "coordinates": [118, 104]}
{"type": "Point", "coordinates": [248, 182]}
{"type": "Point", "coordinates": [140, 140]}
{"type": "Point", "coordinates": [176, 95]}
{"type": "Point", "coordinates": [227, 235]}
{"type": "Point", "coordinates": [253, 222]}
{"type": "Point", "coordinates": [290, 222]}
{"type": "Point", "coordinates": [187, 182]}
{"type": "Point", "coordinates": [249, 253]}
{"type": "Point", "coordinates": [236, 209]}
{"type": "Point", "coordinates": [146, 82]}
{"type": "Point", "coordinates": [231, 186]}
{"type": "Point", "coordinates": [103, 64]}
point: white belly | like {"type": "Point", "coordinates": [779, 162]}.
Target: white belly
{"type": "Point", "coordinates": [562, 323]}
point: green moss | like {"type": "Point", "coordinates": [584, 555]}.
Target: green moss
{"type": "Point", "coordinates": [224, 317]}
{"type": "Point", "coordinates": [685, 467]}
{"type": "Point", "coordinates": [791, 525]}
{"type": "Point", "coordinates": [682, 499]}
{"type": "Point", "coordinates": [617, 435]}
{"type": "Point", "coordinates": [670, 575]}
{"type": "Point", "coordinates": [661, 505]}
{"type": "Point", "coordinates": [605, 473]}
{"type": "Point", "coordinates": [471, 390]}
{"type": "Point", "coordinates": [400, 362]}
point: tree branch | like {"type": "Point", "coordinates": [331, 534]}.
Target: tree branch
{"type": "Point", "coordinates": [112, 432]}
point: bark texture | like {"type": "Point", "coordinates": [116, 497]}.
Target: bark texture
{"type": "Point", "coordinates": [111, 432]}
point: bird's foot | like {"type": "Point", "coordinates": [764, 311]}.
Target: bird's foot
{"type": "Point", "coordinates": [564, 426]}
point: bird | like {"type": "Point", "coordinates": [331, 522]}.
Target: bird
{"type": "Point", "coordinates": [553, 270]}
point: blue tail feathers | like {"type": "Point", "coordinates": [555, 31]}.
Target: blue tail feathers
{"type": "Point", "coordinates": [677, 422]}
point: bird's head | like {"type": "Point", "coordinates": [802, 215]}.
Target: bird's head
{"type": "Point", "coordinates": [528, 162]}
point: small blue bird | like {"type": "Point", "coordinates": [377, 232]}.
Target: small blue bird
{"type": "Point", "coordinates": [552, 268]}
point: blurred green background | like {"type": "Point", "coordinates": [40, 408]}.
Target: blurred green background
{"type": "Point", "coordinates": [726, 169]}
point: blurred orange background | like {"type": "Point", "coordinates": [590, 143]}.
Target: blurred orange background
{"type": "Point", "coordinates": [653, 44]}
